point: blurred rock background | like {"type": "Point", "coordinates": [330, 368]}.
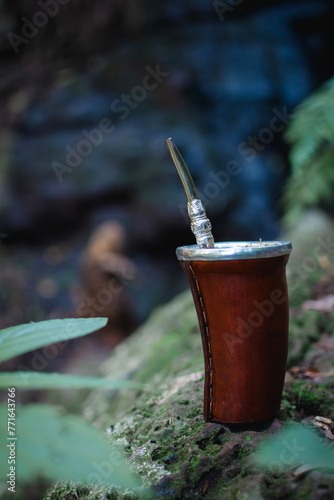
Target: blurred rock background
{"type": "Point", "coordinates": [91, 208]}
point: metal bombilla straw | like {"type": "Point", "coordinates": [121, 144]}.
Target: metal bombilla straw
{"type": "Point", "coordinates": [199, 223]}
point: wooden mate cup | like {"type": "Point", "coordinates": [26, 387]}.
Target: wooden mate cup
{"type": "Point", "coordinates": [241, 298]}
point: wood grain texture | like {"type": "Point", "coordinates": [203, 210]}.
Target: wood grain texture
{"type": "Point", "coordinates": [243, 313]}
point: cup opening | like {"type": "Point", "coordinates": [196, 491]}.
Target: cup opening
{"type": "Point", "coordinates": [234, 250]}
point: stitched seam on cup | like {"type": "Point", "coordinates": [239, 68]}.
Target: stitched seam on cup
{"type": "Point", "coordinates": [208, 340]}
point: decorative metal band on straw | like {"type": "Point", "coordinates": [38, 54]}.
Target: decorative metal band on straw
{"type": "Point", "coordinates": [199, 223]}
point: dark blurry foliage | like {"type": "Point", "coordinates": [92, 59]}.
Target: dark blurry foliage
{"type": "Point", "coordinates": [35, 45]}
{"type": "Point", "coordinates": [311, 136]}
{"type": "Point", "coordinates": [80, 27]}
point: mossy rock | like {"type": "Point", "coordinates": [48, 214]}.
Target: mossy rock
{"type": "Point", "coordinates": [179, 455]}
{"type": "Point", "coordinates": [166, 347]}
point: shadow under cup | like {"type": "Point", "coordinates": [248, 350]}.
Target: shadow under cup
{"type": "Point", "coordinates": [241, 298]}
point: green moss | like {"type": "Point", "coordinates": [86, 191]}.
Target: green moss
{"type": "Point", "coordinates": [244, 451]}
{"type": "Point", "coordinates": [288, 407]}
{"type": "Point", "coordinates": [221, 490]}
{"type": "Point", "coordinates": [312, 398]}
{"type": "Point", "coordinates": [73, 491]}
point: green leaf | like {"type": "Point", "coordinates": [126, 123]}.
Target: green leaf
{"type": "Point", "coordinates": [38, 380]}
{"type": "Point", "coordinates": [60, 448]}
{"type": "Point", "coordinates": [296, 445]}
{"type": "Point", "coordinates": [17, 340]}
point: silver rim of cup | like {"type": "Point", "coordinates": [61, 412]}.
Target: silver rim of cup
{"type": "Point", "coordinates": [235, 250]}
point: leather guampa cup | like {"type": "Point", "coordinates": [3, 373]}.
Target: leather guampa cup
{"type": "Point", "coordinates": [241, 298]}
